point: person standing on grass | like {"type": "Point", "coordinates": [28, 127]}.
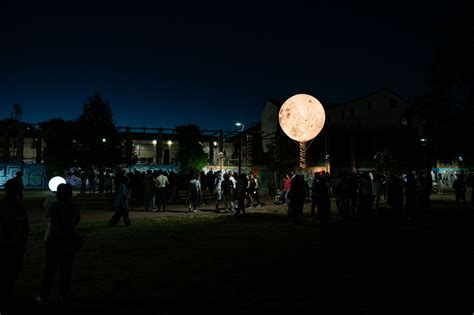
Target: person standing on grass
{"type": "Point", "coordinates": [297, 196]}
{"type": "Point", "coordinates": [63, 216]}
{"type": "Point", "coordinates": [194, 194]}
{"type": "Point", "coordinates": [13, 237]}
{"type": "Point", "coordinates": [149, 184]}
{"type": "Point", "coordinates": [121, 203]}
{"type": "Point", "coordinates": [19, 184]}
{"type": "Point", "coordinates": [161, 183]}
{"type": "Point", "coordinates": [218, 189]}
{"type": "Point", "coordinates": [240, 192]}
{"type": "Point", "coordinates": [459, 187]}
{"type": "Point", "coordinates": [227, 188]}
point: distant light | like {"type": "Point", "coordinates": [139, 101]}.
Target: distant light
{"type": "Point", "coordinates": [104, 140]}
{"type": "Point", "coordinates": [55, 182]}
{"type": "Point", "coordinates": [214, 143]}
{"type": "Point", "coordinates": [170, 142]}
{"type": "Point", "coordinates": [461, 159]}
{"type": "Point", "coordinates": [155, 142]}
{"type": "Point", "coordinates": [238, 124]}
{"type": "Point", "coordinates": [423, 139]}
{"type": "Point", "coordinates": [327, 157]}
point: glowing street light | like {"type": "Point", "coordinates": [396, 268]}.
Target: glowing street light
{"type": "Point", "coordinates": [104, 140]}
{"type": "Point", "coordinates": [155, 142]}
{"type": "Point", "coordinates": [170, 142]}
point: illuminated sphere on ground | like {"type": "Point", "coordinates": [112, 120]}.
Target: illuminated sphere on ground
{"type": "Point", "coordinates": [302, 117]}
{"type": "Point", "coordinates": [55, 182]}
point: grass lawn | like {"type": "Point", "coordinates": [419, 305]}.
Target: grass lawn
{"type": "Point", "coordinates": [263, 262]}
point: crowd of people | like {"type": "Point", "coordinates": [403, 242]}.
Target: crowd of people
{"type": "Point", "coordinates": [359, 194]}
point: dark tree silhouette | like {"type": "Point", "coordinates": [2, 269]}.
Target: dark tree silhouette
{"type": "Point", "coordinates": [97, 137]}
{"type": "Point", "coordinates": [58, 153]}
{"type": "Point", "coordinates": [191, 155]}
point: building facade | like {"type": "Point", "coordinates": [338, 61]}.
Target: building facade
{"type": "Point", "coordinates": [355, 131]}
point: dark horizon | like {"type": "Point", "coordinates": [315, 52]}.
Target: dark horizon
{"type": "Point", "coordinates": [162, 66]}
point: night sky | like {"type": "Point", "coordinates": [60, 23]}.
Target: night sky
{"type": "Point", "coordinates": [214, 64]}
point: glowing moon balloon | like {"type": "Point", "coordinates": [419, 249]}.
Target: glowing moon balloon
{"type": "Point", "coordinates": [55, 182]}
{"type": "Point", "coordinates": [302, 117]}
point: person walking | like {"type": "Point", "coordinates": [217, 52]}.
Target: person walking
{"type": "Point", "coordinates": [121, 203]}
{"type": "Point", "coordinates": [13, 238]}
{"type": "Point", "coordinates": [59, 240]}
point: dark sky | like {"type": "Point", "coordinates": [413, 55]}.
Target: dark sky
{"type": "Point", "coordinates": [211, 64]}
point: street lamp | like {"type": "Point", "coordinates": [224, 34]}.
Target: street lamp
{"type": "Point", "coordinates": [240, 127]}
{"type": "Point", "coordinates": [104, 140]}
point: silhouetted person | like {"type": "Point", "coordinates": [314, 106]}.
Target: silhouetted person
{"type": "Point", "coordinates": [323, 200]}
{"type": "Point", "coordinates": [240, 192]}
{"type": "Point", "coordinates": [63, 216]}
{"type": "Point", "coordinates": [83, 182]}
{"type": "Point", "coordinates": [19, 185]}
{"type": "Point", "coordinates": [395, 194]}
{"type": "Point", "coordinates": [297, 196]}
{"type": "Point", "coordinates": [13, 238]}
{"type": "Point", "coordinates": [411, 197]}
{"type": "Point", "coordinates": [121, 203]}
{"type": "Point", "coordinates": [459, 187]}
{"type": "Point", "coordinates": [194, 193]}
{"type": "Point", "coordinates": [149, 184]}
{"type": "Point", "coordinates": [314, 193]}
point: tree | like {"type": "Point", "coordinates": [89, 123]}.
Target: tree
{"type": "Point", "coordinates": [58, 153]}
{"type": "Point", "coordinates": [97, 137]}
{"type": "Point", "coordinates": [191, 155]}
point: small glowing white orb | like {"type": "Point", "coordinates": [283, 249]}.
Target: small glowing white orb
{"type": "Point", "coordinates": [104, 140]}
{"type": "Point", "coordinates": [55, 182]}
{"type": "Point", "coordinates": [170, 142]}
{"type": "Point", "coordinates": [302, 117]}
{"type": "Point", "coordinates": [155, 142]}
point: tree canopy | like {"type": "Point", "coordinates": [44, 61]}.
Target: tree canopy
{"type": "Point", "coordinates": [191, 155]}
{"type": "Point", "coordinates": [58, 153]}
{"type": "Point", "coordinates": [98, 141]}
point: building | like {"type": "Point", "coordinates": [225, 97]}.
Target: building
{"type": "Point", "coordinates": [355, 131]}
